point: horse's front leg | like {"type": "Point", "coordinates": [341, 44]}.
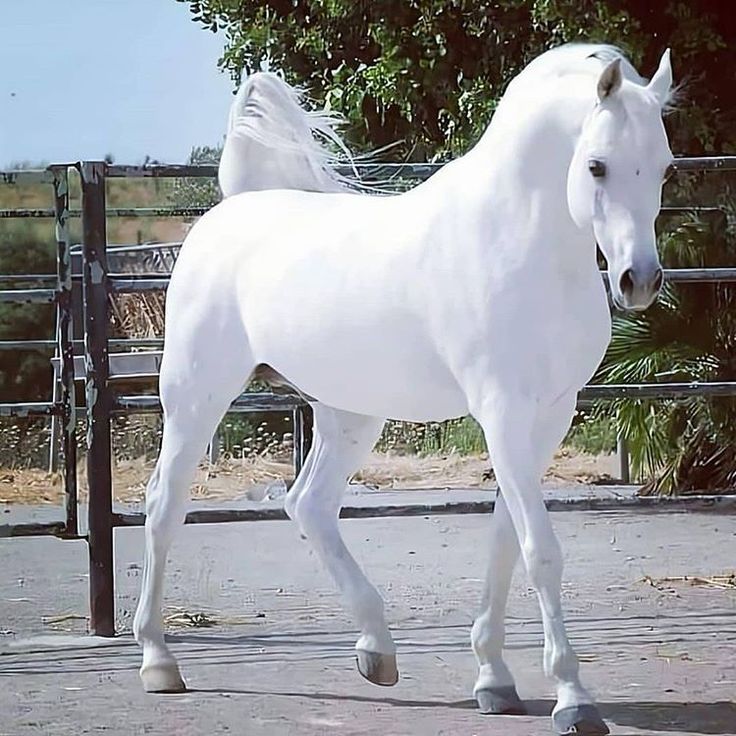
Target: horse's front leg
{"type": "Point", "coordinates": [494, 689]}
{"type": "Point", "coordinates": [518, 432]}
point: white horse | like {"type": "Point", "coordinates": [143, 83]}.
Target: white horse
{"type": "Point", "coordinates": [476, 292]}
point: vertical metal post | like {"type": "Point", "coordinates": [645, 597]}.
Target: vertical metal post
{"type": "Point", "coordinates": [54, 433]}
{"type": "Point", "coordinates": [65, 349]}
{"type": "Point", "coordinates": [302, 425]}
{"type": "Point", "coordinates": [307, 425]}
{"type": "Point", "coordinates": [213, 450]}
{"type": "Point", "coordinates": [622, 450]}
{"type": "Point", "coordinates": [297, 421]}
{"type": "Point", "coordinates": [98, 399]}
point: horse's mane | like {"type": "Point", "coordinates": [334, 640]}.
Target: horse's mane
{"type": "Point", "coordinates": [306, 145]}
{"type": "Point", "coordinates": [579, 58]}
{"type": "Point", "coordinates": [583, 58]}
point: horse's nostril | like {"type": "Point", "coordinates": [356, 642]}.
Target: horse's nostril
{"type": "Point", "coordinates": [658, 279]}
{"type": "Point", "coordinates": [626, 282]}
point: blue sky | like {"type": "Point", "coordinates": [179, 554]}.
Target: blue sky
{"type": "Point", "coordinates": [83, 78]}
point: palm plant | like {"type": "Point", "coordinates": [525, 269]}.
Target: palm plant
{"type": "Point", "coordinates": [680, 446]}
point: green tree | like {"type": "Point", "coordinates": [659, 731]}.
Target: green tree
{"type": "Point", "coordinates": [689, 335]}
{"type": "Point", "coordinates": [198, 192]}
{"type": "Point", "coordinates": [25, 375]}
{"type": "Point", "coordinates": [428, 73]}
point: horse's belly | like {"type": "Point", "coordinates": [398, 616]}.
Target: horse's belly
{"type": "Point", "coordinates": [409, 400]}
{"type": "Point", "coordinates": [359, 353]}
{"type": "Point", "coordinates": [388, 376]}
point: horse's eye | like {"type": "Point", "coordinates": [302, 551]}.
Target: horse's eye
{"type": "Point", "coordinates": [597, 168]}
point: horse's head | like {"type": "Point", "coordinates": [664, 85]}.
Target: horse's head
{"type": "Point", "coordinates": [614, 183]}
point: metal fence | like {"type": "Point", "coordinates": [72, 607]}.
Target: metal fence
{"type": "Point", "coordinates": [102, 401]}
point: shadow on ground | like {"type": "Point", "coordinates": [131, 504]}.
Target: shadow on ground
{"type": "Point", "coordinates": [717, 718]}
{"type": "Point", "coordinates": [122, 654]}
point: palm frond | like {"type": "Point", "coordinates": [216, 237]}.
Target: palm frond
{"type": "Point", "coordinates": [690, 335]}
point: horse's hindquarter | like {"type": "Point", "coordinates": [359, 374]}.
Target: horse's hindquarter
{"type": "Point", "coordinates": [332, 291]}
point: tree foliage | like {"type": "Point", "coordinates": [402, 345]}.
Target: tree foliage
{"type": "Point", "coordinates": [428, 73]}
{"type": "Point", "coordinates": [689, 335]}
{"type": "Point", "coordinates": [25, 375]}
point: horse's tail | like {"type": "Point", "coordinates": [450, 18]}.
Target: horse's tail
{"type": "Point", "coordinates": [273, 142]}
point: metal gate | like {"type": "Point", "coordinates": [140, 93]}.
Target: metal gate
{"type": "Point", "coordinates": [102, 401]}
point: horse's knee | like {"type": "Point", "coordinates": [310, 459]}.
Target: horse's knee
{"type": "Point", "coordinates": [543, 562]}
{"type": "Point", "coordinates": [166, 506]}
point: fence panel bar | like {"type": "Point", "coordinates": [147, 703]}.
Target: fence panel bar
{"type": "Point", "coordinates": [700, 275]}
{"type": "Point", "coordinates": [28, 296]}
{"type": "Point", "coordinates": [98, 399]}
{"type": "Point", "coordinates": [66, 348]}
{"type": "Point", "coordinates": [704, 163]}
{"type": "Point", "coordinates": [657, 390]}
{"type": "Point", "coordinates": [28, 409]}
{"type": "Point", "coordinates": [128, 285]}
{"type": "Point", "coordinates": [25, 176]}
{"type": "Point", "coordinates": [34, 529]}
{"type": "Point", "coordinates": [31, 345]}
{"type": "Point", "coordinates": [261, 401]}
{"type": "Point", "coordinates": [162, 171]}
{"type": "Point", "coordinates": [26, 212]}
{"type": "Point", "coordinates": [42, 278]}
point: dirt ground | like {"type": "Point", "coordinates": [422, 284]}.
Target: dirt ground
{"type": "Point", "coordinates": [230, 479]}
{"type": "Point", "coordinates": [266, 647]}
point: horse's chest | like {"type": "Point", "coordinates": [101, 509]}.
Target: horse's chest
{"type": "Point", "coordinates": [577, 341]}
{"type": "Point", "coordinates": [549, 343]}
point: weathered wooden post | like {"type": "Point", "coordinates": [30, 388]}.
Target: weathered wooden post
{"type": "Point", "coordinates": [65, 348]}
{"type": "Point", "coordinates": [98, 399]}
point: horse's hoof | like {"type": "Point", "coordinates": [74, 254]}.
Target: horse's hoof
{"type": "Point", "coordinates": [162, 678]}
{"type": "Point", "coordinates": [380, 669]}
{"type": "Point", "coordinates": [500, 701]}
{"type": "Point", "coordinates": [579, 719]}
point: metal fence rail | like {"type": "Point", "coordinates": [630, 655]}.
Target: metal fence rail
{"type": "Point", "coordinates": [101, 401]}
{"type": "Point", "coordinates": [60, 295]}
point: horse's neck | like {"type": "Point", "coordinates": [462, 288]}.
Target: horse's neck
{"type": "Point", "coordinates": [518, 171]}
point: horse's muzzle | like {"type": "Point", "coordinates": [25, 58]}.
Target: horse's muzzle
{"type": "Point", "coordinates": [638, 286]}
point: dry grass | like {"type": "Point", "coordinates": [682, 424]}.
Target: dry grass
{"type": "Point", "coordinates": [20, 486]}
{"type": "Point", "coordinates": [666, 584]}
{"type": "Point", "coordinates": [230, 479]}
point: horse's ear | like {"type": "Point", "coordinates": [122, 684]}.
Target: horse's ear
{"type": "Point", "coordinates": [610, 80]}
{"type": "Point", "coordinates": [661, 82]}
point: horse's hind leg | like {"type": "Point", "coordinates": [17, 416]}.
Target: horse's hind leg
{"type": "Point", "coordinates": [197, 387]}
{"type": "Point", "coordinates": [341, 442]}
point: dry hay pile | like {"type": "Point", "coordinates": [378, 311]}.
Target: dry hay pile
{"type": "Point", "coordinates": [138, 315]}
